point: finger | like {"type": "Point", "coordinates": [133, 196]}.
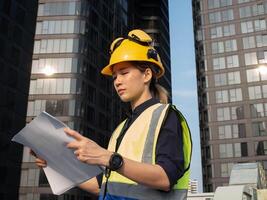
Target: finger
{"type": "Point", "coordinates": [33, 153]}
{"type": "Point", "coordinates": [76, 152]}
{"type": "Point", "coordinates": [80, 158]}
{"type": "Point", "coordinates": [73, 134]}
{"type": "Point", "coordinates": [73, 145]}
{"type": "Point", "coordinates": [40, 161]}
{"type": "Point", "coordinates": [41, 165]}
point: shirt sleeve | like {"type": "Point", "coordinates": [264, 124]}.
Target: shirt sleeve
{"type": "Point", "coordinates": [169, 148]}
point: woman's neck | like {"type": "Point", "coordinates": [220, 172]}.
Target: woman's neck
{"type": "Point", "coordinates": [144, 97]}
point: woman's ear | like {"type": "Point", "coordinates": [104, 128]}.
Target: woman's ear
{"type": "Point", "coordinates": [148, 75]}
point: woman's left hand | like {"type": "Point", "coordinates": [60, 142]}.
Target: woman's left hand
{"type": "Point", "coordinates": [87, 150]}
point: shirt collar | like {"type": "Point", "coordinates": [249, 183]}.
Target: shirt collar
{"type": "Point", "coordinates": [139, 109]}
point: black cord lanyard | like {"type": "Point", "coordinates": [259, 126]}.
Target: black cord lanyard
{"type": "Point", "coordinates": [107, 175]}
{"type": "Point", "coordinates": [118, 142]}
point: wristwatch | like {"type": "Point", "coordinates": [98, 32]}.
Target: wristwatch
{"type": "Point", "coordinates": [115, 161]}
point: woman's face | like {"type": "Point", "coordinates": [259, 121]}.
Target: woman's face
{"type": "Point", "coordinates": [131, 84]}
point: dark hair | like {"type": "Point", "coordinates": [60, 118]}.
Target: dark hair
{"type": "Point", "coordinates": [155, 88]}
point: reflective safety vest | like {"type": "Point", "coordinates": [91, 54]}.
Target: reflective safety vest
{"type": "Point", "coordinates": [139, 144]}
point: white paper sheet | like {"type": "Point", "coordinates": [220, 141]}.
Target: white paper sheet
{"type": "Point", "coordinates": [45, 136]}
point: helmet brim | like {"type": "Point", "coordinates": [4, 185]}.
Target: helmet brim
{"type": "Point", "coordinates": [108, 70]}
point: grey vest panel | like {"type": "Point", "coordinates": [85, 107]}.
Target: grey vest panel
{"type": "Point", "coordinates": [141, 192]}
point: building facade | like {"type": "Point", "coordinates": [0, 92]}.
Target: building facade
{"type": "Point", "coordinates": [231, 58]}
{"type": "Point", "coordinates": [153, 17]}
{"type": "Point", "coordinates": [17, 27]}
{"type": "Point", "coordinates": [71, 47]}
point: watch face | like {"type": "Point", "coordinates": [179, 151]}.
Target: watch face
{"type": "Point", "coordinates": [116, 161]}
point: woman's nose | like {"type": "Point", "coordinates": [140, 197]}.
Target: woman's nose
{"type": "Point", "coordinates": [117, 81]}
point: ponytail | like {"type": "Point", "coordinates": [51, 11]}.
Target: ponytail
{"type": "Point", "coordinates": [158, 91]}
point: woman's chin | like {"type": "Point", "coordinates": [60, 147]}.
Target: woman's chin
{"type": "Point", "coordinates": [124, 99]}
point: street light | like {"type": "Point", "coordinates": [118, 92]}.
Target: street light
{"type": "Point", "coordinates": [48, 70]}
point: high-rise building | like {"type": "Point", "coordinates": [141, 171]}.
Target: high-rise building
{"type": "Point", "coordinates": [153, 17]}
{"type": "Point", "coordinates": [193, 186]}
{"type": "Point", "coordinates": [71, 47]}
{"type": "Point", "coordinates": [17, 26]}
{"type": "Point", "coordinates": [231, 58]}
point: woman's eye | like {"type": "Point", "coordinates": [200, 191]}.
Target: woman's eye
{"type": "Point", "coordinates": [123, 73]}
{"type": "Point", "coordinates": [114, 78]}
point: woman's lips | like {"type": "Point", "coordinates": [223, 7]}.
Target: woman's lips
{"type": "Point", "coordinates": [121, 91]}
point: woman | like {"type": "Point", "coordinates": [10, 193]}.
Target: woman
{"type": "Point", "coordinates": [149, 153]}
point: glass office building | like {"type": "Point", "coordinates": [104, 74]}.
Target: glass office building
{"type": "Point", "coordinates": [17, 26]}
{"type": "Point", "coordinates": [71, 47]}
{"type": "Point", "coordinates": [231, 61]}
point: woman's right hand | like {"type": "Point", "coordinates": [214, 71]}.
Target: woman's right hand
{"type": "Point", "coordinates": [38, 161]}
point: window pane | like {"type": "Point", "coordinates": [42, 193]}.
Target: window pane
{"type": "Point", "coordinates": [218, 63]}
{"type": "Point", "coordinates": [261, 148]}
{"type": "Point", "coordinates": [57, 27]}
{"type": "Point", "coordinates": [253, 75]}
{"type": "Point", "coordinates": [66, 86]}
{"type": "Point", "coordinates": [69, 45]}
{"type": "Point", "coordinates": [220, 79]}
{"type": "Point", "coordinates": [249, 42]}
{"type": "Point", "coordinates": [264, 91]}
{"type": "Point", "coordinates": [235, 95]}
{"type": "Point", "coordinates": [251, 58]}
{"type": "Point", "coordinates": [233, 78]}
{"type": "Point", "coordinates": [254, 92]}
{"type": "Point", "coordinates": [71, 26]}
{"type": "Point", "coordinates": [56, 46]}
{"type": "Point", "coordinates": [257, 110]}
{"type": "Point", "coordinates": [59, 86]}
{"type": "Point", "coordinates": [63, 46]}
{"type": "Point", "coordinates": [259, 129]}
{"type": "Point", "coordinates": [237, 148]}
{"type": "Point", "coordinates": [232, 61]}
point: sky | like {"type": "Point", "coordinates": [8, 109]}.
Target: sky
{"type": "Point", "coordinates": [184, 86]}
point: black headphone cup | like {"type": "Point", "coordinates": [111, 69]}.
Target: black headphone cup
{"type": "Point", "coordinates": [152, 53]}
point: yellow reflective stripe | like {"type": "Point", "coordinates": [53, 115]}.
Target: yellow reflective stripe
{"type": "Point", "coordinates": [114, 136]}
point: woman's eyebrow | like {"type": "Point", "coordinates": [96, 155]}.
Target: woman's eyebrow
{"type": "Point", "coordinates": [119, 70]}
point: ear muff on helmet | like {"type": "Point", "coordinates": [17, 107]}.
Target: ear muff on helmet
{"type": "Point", "coordinates": [152, 53]}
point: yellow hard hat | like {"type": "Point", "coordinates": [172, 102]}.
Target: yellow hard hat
{"type": "Point", "coordinates": [137, 47]}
